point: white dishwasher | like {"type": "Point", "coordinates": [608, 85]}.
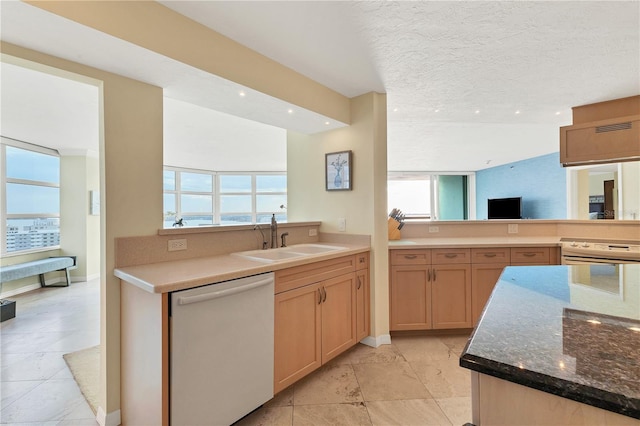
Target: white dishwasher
{"type": "Point", "coordinates": [221, 358]}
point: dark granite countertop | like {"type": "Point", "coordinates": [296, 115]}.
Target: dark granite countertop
{"type": "Point", "coordinates": [573, 331]}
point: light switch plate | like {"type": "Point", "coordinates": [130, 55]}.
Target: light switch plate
{"type": "Point", "coordinates": [342, 224]}
{"type": "Point", "coordinates": [433, 229]}
{"type": "Point", "coordinates": [513, 228]}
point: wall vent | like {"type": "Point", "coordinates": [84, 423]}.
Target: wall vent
{"type": "Point", "coordinates": [613, 127]}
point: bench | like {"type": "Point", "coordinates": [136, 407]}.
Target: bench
{"type": "Point", "coordinates": [39, 267]}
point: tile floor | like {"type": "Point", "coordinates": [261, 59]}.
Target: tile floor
{"type": "Point", "coordinates": [36, 386]}
{"type": "Point", "coordinates": [414, 381]}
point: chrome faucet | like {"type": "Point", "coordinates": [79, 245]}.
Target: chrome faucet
{"type": "Point", "coordinates": [274, 232]}
{"type": "Point", "coordinates": [264, 240]}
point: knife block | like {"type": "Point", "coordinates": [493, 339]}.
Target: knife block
{"type": "Point", "coordinates": [394, 232]}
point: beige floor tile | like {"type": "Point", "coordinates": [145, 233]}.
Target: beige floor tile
{"type": "Point", "coordinates": [283, 398]}
{"type": "Point", "coordinates": [387, 381]}
{"type": "Point", "coordinates": [422, 348]}
{"type": "Point", "coordinates": [268, 416]}
{"type": "Point", "coordinates": [455, 343]}
{"type": "Point", "coordinates": [458, 410]}
{"type": "Point", "coordinates": [363, 354]}
{"type": "Point", "coordinates": [331, 384]}
{"type": "Point", "coordinates": [331, 414]}
{"type": "Point", "coordinates": [411, 412]}
{"type": "Point", "coordinates": [444, 378]}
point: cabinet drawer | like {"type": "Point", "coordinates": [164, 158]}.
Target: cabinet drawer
{"type": "Point", "coordinates": [491, 255]}
{"type": "Point", "coordinates": [290, 278]}
{"type": "Point", "coordinates": [445, 256]}
{"type": "Point", "coordinates": [410, 257]}
{"type": "Point", "coordinates": [362, 261]}
{"type": "Point", "coordinates": [524, 255]}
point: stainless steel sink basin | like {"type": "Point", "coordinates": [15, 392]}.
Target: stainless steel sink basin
{"type": "Point", "coordinates": [286, 253]}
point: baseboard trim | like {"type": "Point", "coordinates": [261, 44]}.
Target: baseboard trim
{"type": "Point", "coordinates": [21, 290]}
{"type": "Point", "coordinates": [374, 342]}
{"type": "Point", "coordinates": [111, 419]}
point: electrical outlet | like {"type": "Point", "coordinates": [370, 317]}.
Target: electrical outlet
{"type": "Point", "coordinates": [433, 229]}
{"type": "Point", "coordinates": [513, 228]}
{"type": "Point", "coordinates": [175, 245]}
{"type": "Point", "coordinates": [313, 232]}
{"type": "Point", "coordinates": [342, 224]}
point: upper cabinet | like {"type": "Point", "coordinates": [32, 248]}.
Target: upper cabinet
{"type": "Point", "coordinates": [604, 132]}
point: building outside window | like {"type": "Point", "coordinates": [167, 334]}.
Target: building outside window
{"type": "Point", "coordinates": [30, 197]}
{"type": "Point", "coordinates": [205, 197]}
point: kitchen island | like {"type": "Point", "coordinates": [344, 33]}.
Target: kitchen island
{"type": "Point", "coordinates": [558, 345]}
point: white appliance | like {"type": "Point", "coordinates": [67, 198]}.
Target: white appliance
{"type": "Point", "coordinates": [598, 251]}
{"type": "Point", "coordinates": [221, 359]}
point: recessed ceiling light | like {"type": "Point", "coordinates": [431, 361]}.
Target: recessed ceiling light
{"type": "Point", "coordinates": [477, 111]}
{"type": "Point", "coordinates": [517, 112]}
{"type": "Point", "coordinates": [242, 94]}
{"type": "Point", "coordinates": [327, 123]}
{"type": "Point", "coordinates": [558, 113]}
{"type": "Point", "coordinates": [290, 111]}
{"type": "Point", "coordinates": [395, 110]}
{"type": "Point", "coordinates": [437, 110]}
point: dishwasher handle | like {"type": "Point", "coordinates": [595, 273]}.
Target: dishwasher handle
{"type": "Point", "coordinates": [186, 300]}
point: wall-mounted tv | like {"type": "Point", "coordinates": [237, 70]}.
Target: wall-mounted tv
{"type": "Point", "coordinates": [504, 208]}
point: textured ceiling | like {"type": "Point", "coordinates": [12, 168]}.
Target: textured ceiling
{"type": "Point", "coordinates": [455, 73]}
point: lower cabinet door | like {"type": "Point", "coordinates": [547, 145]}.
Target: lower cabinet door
{"type": "Point", "coordinates": [410, 297]}
{"type": "Point", "coordinates": [483, 279]}
{"type": "Point", "coordinates": [451, 296]}
{"type": "Point", "coordinates": [338, 315]}
{"type": "Point", "coordinates": [297, 333]}
{"type": "Point", "coordinates": [362, 304]}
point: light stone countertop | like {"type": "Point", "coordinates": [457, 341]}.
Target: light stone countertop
{"type": "Point", "coordinates": [164, 277]}
{"type": "Point", "coordinates": [423, 243]}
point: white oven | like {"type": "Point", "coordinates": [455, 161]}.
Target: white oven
{"type": "Point", "coordinates": [597, 251]}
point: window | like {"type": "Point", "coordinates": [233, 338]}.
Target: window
{"type": "Point", "coordinates": [31, 194]}
{"type": "Point", "coordinates": [207, 198]}
{"type": "Point", "coordinates": [422, 195]}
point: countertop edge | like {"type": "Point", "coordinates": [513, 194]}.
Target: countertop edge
{"type": "Point", "coordinates": [422, 243]}
{"type": "Point", "coordinates": [553, 385]}
{"type": "Point", "coordinates": [141, 277]}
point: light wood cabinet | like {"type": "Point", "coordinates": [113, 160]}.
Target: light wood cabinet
{"type": "Point", "coordinates": [427, 296]}
{"type": "Point", "coordinates": [448, 288]}
{"type": "Point", "coordinates": [321, 309]}
{"type": "Point", "coordinates": [603, 132]}
{"type": "Point", "coordinates": [363, 299]}
{"type": "Point", "coordinates": [451, 296]}
{"type": "Point", "coordinates": [410, 297]}
{"type": "Point", "coordinates": [298, 326]}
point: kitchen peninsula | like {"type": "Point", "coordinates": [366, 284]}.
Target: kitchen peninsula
{"type": "Point", "coordinates": [558, 345]}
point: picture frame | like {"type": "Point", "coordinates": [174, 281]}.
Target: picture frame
{"type": "Point", "coordinates": [338, 171]}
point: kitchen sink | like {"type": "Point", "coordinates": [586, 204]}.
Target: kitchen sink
{"type": "Point", "coordinates": [286, 253]}
{"type": "Point", "coordinates": [269, 255]}
{"type": "Point", "coordinates": [313, 248]}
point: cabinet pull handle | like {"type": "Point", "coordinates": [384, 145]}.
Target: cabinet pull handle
{"type": "Point", "coordinates": [434, 275]}
{"type": "Point", "coordinates": [450, 255]}
{"type": "Point", "coordinates": [428, 274]}
{"type": "Point", "coordinates": [410, 256]}
{"type": "Point", "coordinates": [528, 254]}
{"type": "Point", "coordinates": [359, 283]}
{"type": "Point", "coordinates": [319, 296]}
{"type": "Point", "coordinates": [324, 290]}
{"type": "Point", "coordinates": [489, 255]}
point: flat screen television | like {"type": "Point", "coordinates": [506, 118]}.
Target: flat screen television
{"type": "Point", "coordinates": [504, 208]}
